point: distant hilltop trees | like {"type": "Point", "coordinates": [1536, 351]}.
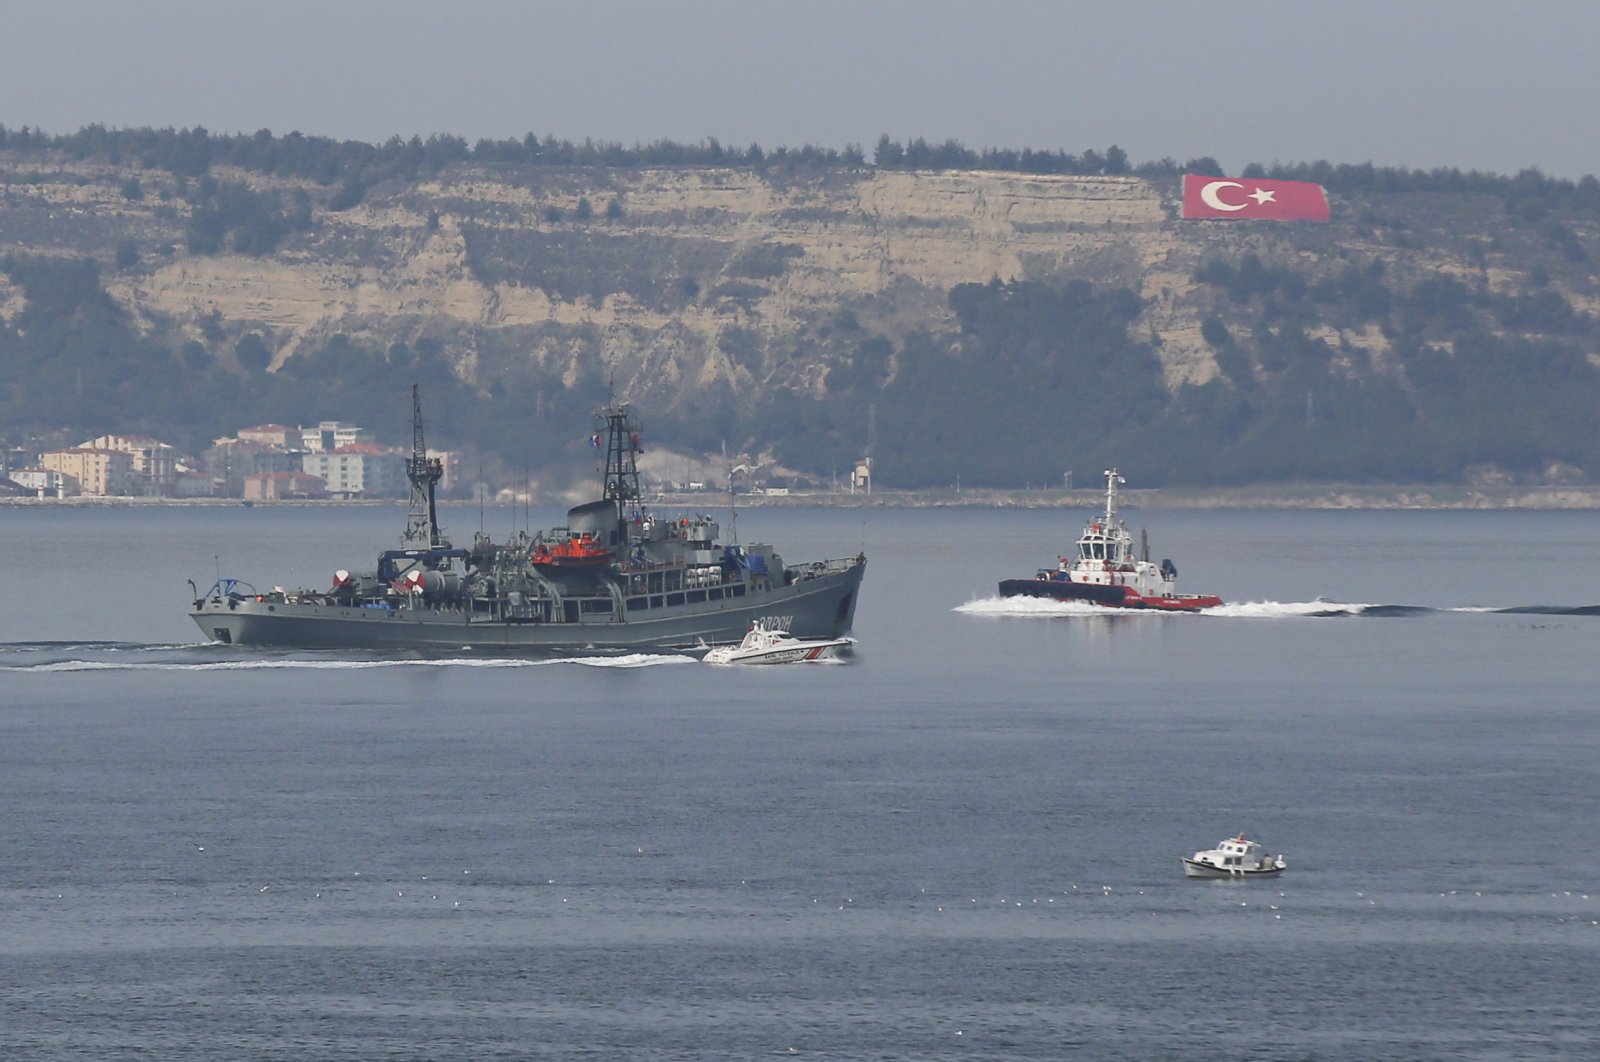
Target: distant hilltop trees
{"type": "Point", "coordinates": [354, 165]}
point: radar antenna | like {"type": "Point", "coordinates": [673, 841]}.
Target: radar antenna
{"type": "Point", "coordinates": [424, 472]}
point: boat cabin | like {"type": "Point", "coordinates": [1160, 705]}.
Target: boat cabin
{"type": "Point", "coordinates": [1101, 543]}
{"type": "Point", "coordinates": [1238, 852]}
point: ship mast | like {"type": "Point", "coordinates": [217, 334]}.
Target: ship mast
{"type": "Point", "coordinates": [622, 452]}
{"type": "Point", "coordinates": [1112, 479]}
{"type": "Point", "coordinates": [422, 517]}
{"type": "Point", "coordinates": [1119, 543]}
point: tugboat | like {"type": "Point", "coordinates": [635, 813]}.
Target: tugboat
{"type": "Point", "coordinates": [615, 578]}
{"type": "Point", "coordinates": [1233, 857]}
{"type": "Point", "coordinates": [1106, 572]}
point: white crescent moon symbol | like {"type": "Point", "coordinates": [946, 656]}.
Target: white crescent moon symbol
{"type": "Point", "coordinates": [1209, 195]}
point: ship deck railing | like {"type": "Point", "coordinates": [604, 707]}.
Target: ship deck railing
{"type": "Point", "coordinates": [832, 566]}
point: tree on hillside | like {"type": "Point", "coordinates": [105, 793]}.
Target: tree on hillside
{"type": "Point", "coordinates": [252, 352]}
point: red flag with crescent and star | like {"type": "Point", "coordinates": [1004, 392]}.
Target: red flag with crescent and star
{"type": "Point", "coordinates": [1248, 198]}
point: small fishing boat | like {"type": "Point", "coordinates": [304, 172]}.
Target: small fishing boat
{"type": "Point", "coordinates": [1234, 857]}
{"type": "Point", "coordinates": [772, 645]}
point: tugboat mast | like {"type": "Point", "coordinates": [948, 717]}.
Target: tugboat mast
{"type": "Point", "coordinates": [1112, 479]}
{"type": "Point", "coordinates": [422, 517]}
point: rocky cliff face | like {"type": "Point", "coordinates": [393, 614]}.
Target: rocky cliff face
{"type": "Point", "coordinates": [704, 276]}
{"type": "Point", "coordinates": [682, 279]}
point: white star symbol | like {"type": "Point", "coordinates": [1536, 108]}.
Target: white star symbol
{"type": "Point", "coordinates": [1261, 195]}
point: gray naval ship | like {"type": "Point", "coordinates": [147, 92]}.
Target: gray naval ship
{"type": "Point", "coordinates": [615, 578]}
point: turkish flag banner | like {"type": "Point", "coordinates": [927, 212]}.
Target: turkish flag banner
{"type": "Point", "coordinates": [1248, 198]}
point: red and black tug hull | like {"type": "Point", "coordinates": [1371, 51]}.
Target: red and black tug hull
{"type": "Point", "coordinates": [1108, 596]}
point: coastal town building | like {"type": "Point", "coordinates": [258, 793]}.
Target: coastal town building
{"type": "Point", "coordinates": [360, 470]}
{"type": "Point", "coordinates": [278, 435]}
{"type": "Point", "coordinates": [42, 482]}
{"type": "Point", "coordinates": [193, 483]}
{"type": "Point", "coordinates": [282, 486]}
{"type": "Point", "coordinates": [229, 461]}
{"type": "Point", "coordinates": [155, 463]}
{"type": "Point", "coordinates": [331, 435]}
{"type": "Point", "coordinates": [861, 477]}
{"type": "Point", "coordinates": [95, 471]}
{"type": "Point", "coordinates": [264, 462]}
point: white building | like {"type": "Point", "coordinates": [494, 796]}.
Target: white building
{"type": "Point", "coordinates": [331, 435]}
{"type": "Point", "coordinates": [44, 482]}
{"type": "Point", "coordinates": [360, 470]}
{"type": "Point", "coordinates": [274, 435]}
{"type": "Point", "coordinates": [861, 478]}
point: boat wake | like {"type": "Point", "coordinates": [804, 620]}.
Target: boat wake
{"type": "Point", "coordinates": [1318, 609]}
{"type": "Point", "coordinates": [1321, 608]}
{"type": "Point", "coordinates": [1041, 606]}
{"type": "Point", "coordinates": [1552, 610]}
{"type": "Point", "coordinates": [93, 647]}
{"type": "Point", "coordinates": [59, 657]}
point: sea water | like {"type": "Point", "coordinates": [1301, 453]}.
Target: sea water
{"type": "Point", "coordinates": [962, 842]}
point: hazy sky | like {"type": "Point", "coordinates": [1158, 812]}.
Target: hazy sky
{"type": "Point", "coordinates": [1475, 84]}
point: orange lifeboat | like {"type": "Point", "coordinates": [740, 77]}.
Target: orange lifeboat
{"type": "Point", "coordinates": [580, 552]}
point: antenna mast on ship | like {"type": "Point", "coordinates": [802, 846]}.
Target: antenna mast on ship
{"type": "Point", "coordinates": [733, 508]}
{"type": "Point", "coordinates": [422, 516]}
{"type": "Point", "coordinates": [623, 447]}
{"type": "Point", "coordinates": [1112, 479]}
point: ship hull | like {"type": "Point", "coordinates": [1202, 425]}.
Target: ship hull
{"type": "Point", "coordinates": [1108, 596]}
{"type": "Point", "coordinates": [1194, 869]}
{"type": "Point", "coordinates": [821, 607]}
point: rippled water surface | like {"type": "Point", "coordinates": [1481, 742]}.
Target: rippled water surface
{"type": "Point", "coordinates": [963, 842]}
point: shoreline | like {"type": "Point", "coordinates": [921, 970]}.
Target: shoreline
{"type": "Point", "coordinates": [1330, 497]}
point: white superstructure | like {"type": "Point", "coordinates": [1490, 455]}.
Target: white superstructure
{"type": "Point", "coordinates": [1106, 555]}
{"type": "Point", "coordinates": [764, 645]}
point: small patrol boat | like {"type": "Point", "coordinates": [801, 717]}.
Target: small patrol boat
{"type": "Point", "coordinates": [1234, 857]}
{"type": "Point", "coordinates": [764, 645]}
{"type": "Point", "coordinates": [1106, 571]}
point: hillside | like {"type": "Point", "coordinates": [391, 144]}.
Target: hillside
{"type": "Point", "coordinates": [814, 312]}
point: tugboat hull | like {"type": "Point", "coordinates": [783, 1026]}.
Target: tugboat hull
{"type": "Point", "coordinates": [1109, 596]}
{"type": "Point", "coordinates": [1060, 590]}
{"type": "Point", "coordinates": [1106, 570]}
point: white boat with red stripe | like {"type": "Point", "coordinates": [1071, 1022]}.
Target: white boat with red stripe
{"type": "Point", "coordinates": [773, 645]}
